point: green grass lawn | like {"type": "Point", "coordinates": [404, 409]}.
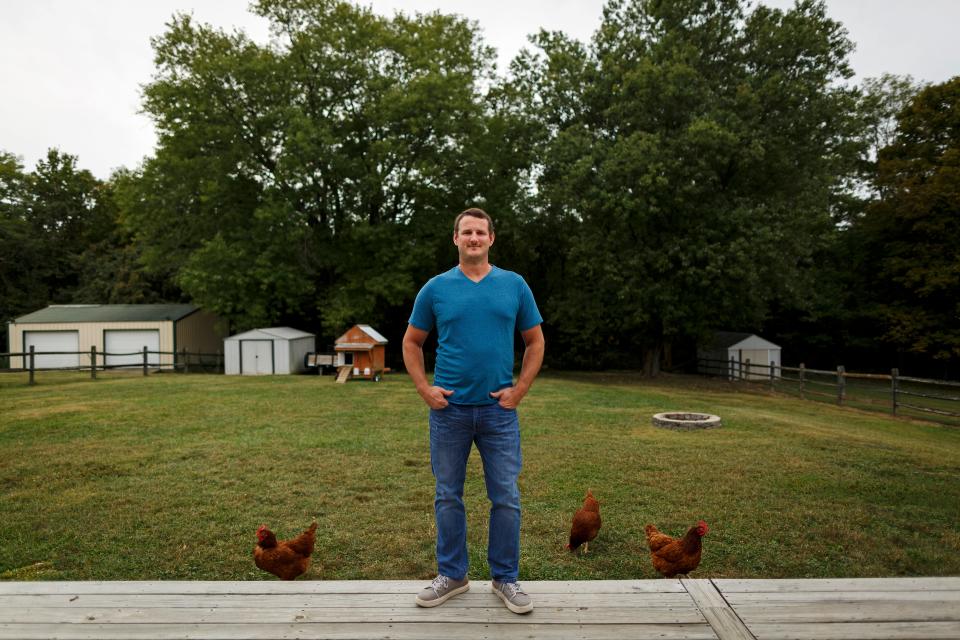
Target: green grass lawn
{"type": "Point", "coordinates": [168, 477]}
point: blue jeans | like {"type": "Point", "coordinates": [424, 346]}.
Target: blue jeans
{"type": "Point", "coordinates": [496, 431]}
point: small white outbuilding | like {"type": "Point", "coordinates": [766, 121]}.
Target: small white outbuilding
{"type": "Point", "coordinates": [275, 350]}
{"type": "Point", "coordinates": [740, 355]}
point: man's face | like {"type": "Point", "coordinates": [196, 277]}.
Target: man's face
{"type": "Point", "coordinates": [473, 239]}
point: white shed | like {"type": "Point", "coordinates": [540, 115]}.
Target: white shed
{"type": "Point", "coordinates": [275, 350]}
{"type": "Point", "coordinates": [729, 352]}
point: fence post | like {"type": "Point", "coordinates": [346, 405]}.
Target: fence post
{"type": "Point", "coordinates": [747, 375]}
{"type": "Point", "coordinates": [93, 362]}
{"type": "Point", "coordinates": [841, 385]}
{"type": "Point", "coordinates": [733, 367]}
{"type": "Point", "coordinates": [773, 371]}
{"type": "Point", "coordinates": [31, 364]}
{"type": "Point", "coordinates": [893, 389]}
{"type": "Point", "coordinates": [186, 362]}
{"type": "Point", "coordinates": [144, 360]}
{"type": "Point", "coordinates": [802, 376]}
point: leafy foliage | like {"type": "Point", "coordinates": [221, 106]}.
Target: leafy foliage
{"type": "Point", "coordinates": [699, 164]}
{"type": "Point", "coordinates": [691, 158]}
{"type": "Point", "coordinates": [912, 233]}
{"type": "Point", "coordinates": [22, 278]}
{"type": "Point", "coordinates": [51, 221]}
{"type": "Point", "coordinates": [316, 175]}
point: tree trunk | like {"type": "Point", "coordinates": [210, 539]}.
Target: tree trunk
{"type": "Point", "coordinates": [651, 360]}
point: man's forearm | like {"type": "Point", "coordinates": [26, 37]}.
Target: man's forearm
{"type": "Point", "coordinates": [532, 360]}
{"type": "Point", "coordinates": [413, 361]}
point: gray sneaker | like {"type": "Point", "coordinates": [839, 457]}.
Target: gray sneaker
{"type": "Point", "coordinates": [440, 590]}
{"type": "Point", "coordinates": [513, 596]}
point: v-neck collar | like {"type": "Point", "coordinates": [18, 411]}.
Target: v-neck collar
{"type": "Point", "coordinates": [487, 275]}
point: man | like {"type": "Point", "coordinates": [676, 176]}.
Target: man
{"type": "Point", "coordinates": [476, 309]}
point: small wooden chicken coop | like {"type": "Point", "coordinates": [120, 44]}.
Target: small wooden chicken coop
{"type": "Point", "coordinates": [361, 354]}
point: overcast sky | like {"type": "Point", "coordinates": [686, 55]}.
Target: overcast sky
{"type": "Point", "coordinates": [71, 71]}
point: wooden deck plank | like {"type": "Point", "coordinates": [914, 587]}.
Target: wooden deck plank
{"type": "Point", "coordinates": [410, 587]}
{"type": "Point", "coordinates": [859, 631]}
{"type": "Point", "coordinates": [495, 613]}
{"type": "Point", "coordinates": [724, 620]}
{"type": "Point", "coordinates": [473, 598]}
{"type": "Point", "coordinates": [864, 611]}
{"type": "Point", "coordinates": [773, 598]}
{"type": "Point", "coordinates": [668, 609]}
{"type": "Point", "coordinates": [859, 608]}
{"type": "Point", "coordinates": [729, 585]}
{"type": "Point", "coordinates": [438, 631]}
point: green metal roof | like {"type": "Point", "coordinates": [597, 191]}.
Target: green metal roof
{"type": "Point", "coordinates": [108, 313]}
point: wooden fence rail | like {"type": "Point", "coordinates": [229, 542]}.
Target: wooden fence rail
{"type": "Point", "coordinates": [98, 361]}
{"type": "Point", "coordinates": [841, 380]}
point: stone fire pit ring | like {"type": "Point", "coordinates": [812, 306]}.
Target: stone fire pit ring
{"type": "Point", "coordinates": [686, 420]}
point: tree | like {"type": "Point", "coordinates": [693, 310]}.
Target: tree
{"type": "Point", "coordinates": [836, 323]}
{"type": "Point", "coordinates": [22, 287]}
{"type": "Point", "coordinates": [64, 207]}
{"type": "Point", "coordinates": [317, 175]}
{"type": "Point", "coordinates": [50, 216]}
{"type": "Point", "coordinates": [57, 228]}
{"type": "Point", "coordinates": [109, 265]}
{"type": "Point", "coordinates": [883, 99]}
{"type": "Point", "coordinates": [693, 157]}
{"type": "Point", "coordinates": [912, 233]}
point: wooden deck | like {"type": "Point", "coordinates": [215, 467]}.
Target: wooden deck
{"type": "Point", "coordinates": [921, 608]}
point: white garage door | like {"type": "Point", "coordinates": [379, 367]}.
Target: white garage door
{"type": "Point", "coordinates": [256, 357]}
{"type": "Point", "coordinates": [126, 347]}
{"type": "Point", "coordinates": [52, 341]}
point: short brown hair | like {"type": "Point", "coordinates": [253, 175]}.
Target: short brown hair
{"type": "Point", "coordinates": [474, 213]}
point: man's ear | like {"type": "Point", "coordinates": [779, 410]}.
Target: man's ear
{"type": "Point", "coordinates": [455, 234]}
{"type": "Point", "coordinates": [492, 236]}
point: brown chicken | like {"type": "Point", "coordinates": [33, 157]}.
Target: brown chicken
{"type": "Point", "coordinates": [285, 559]}
{"type": "Point", "coordinates": [586, 523]}
{"type": "Point", "coordinates": [672, 556]}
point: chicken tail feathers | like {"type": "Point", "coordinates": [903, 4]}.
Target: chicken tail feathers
{"type": "Point", "coordinates": [655, 539]}
{"type": "Point", "coordinates": [303, 544]}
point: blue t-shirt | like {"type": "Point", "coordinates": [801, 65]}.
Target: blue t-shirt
{"type": "Point", "coordinates": [476, 323]}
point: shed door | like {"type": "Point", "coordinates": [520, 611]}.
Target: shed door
{"type": "Point", "coordinates": [758, 363]}
{"type": "Point", "coordinates": [52, 341]}
{"type": "Point", "coordinates": [124, 347]}
{"type": "Point", "coordinates": [256, 357]}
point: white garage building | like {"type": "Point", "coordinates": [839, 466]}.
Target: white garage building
{"type": "Point", "coordinates": [62, 335]}
{"type": "Point", "coordinates": [275, 350]}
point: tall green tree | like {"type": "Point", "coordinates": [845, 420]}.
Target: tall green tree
{"type": "Point", "coordinates": [50, 217]}
{"type": "Point", "coordinates": [65, 209]}
{"type": "Point", "coordinates": [109, 265]}
{"type": "Point", "coordinates": [883, 99]}
{"type": "Point", "coordinates": [836, 323]}
{"type": "Point", "coordinates": [912, 233]}
{"type": "Point", "coordinates": [692, 159]}
{"type": "Point", "coordinates": [22, 285]}
{"type": "Point", "coordinates": [58, 233]}
{"type": "Point", "coordinates": [317, 175]}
